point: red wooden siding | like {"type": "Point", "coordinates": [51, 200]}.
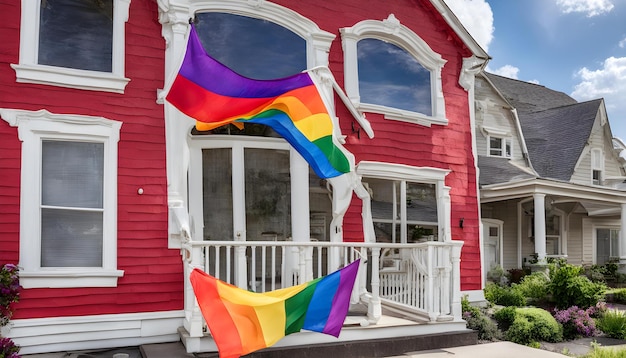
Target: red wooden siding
{"type": "Point", "coordinates": [153, 274]}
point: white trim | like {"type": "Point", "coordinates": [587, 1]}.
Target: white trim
{"type": "Point", "coordinates": [390, 30]}
{"type": "Point", "coordinates": [44, 335]}
{"type": "Point", "coordinates": [33, 127]}
{"type": "Point", "coordinates": [30, 71]}
{"type": "Point", "coordinates": [429, 175]}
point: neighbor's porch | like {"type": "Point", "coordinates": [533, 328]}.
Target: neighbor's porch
{"type": "Point", "coordinates": [401, 289]}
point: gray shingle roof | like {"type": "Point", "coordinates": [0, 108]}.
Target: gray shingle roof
{"type": "Point", "coordinates": [555, 126]}
{"type": "Point", "coordinates": [495, 170]}
{"type": "Point", "coordinates": [529, 97]}
{"type": "Point", "coordinates": [556, 137]}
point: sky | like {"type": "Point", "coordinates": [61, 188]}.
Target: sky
{"type": "Point", "coordinates": [574, 46]}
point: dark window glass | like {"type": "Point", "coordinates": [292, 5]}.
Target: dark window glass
{"type": "Point", "coordinates": [76, 34]}
{"type": "Point", "coordinates": [389, 76]}
{"type": "Point", "coordinates": [253, 48]}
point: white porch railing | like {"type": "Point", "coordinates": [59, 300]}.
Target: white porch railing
{"type": "Point", "coordinates": [416, 279]}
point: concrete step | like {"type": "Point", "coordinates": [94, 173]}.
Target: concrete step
{"type": "Point", "coordinates": [371, 348]}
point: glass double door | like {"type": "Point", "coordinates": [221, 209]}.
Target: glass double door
{"type": "Point", "coordinates": [246, 191]}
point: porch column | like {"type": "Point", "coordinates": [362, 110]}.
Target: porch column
{"type": "Point", "coordinates": [622, 241]}
{"type": "Point", "coordinates": [540, 227]}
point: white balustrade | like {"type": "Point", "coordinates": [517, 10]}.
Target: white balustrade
{"type": "Point", "coordinates": [423, 278]}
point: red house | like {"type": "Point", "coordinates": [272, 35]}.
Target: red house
{"type": "Point", "coordinates": [110, 195]}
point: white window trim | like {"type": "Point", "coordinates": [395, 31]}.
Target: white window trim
{"type": "Point", "coordinates": [390, 30]}
{"type": "Point", "coordinates": [29, 71]}
{"type": "Point", "coordinates": [505, 141]}
{"type": "Point", "coordinates": [33, 127]}
{"type": "Point", "coordinates": [597, 155]}
{"type": "Point", "coordinates": [426, 175]}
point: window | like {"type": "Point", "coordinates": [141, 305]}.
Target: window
{"type": "Point", "coordinates": [251, 47]}
{"type": "Point", "coordinates": [607, 245]}
{"type": "Point", "coordinates": [597, 166]}
{"type": "Point", "coordinates": [390, 70]}
{"type": "Point", "coordinates": [69, 164]}
{"type": "Point", "coordinates": [389, 76]}
{"type": "Point", "coordinates": [409, 204]}
{"type": "Point", "coordinates": [73, 43]}
{"type": "Point", "coordinates": [499, 147]}
{"type": "Point", "coordinates": [553, 234]}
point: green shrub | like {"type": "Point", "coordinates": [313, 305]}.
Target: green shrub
{"type": "Point", "coordinates": [570, 288]}
{"type": "Point", "coordinates": [604, 352]}
{"type": "Point", "coordinates": [619, 296]}
{"type": "Point", "coordinates": [504, 296]}
{"type": "Point", "coordinates": [613, 324]}
{"type": "Point", "coordinates": [534, 324]}
{"type": "Point", "coordinates": [479, 321]}
{"type": "Point", "coordinates": [505, 317]}
{"type": "Point", "coordinates": [535, 287]}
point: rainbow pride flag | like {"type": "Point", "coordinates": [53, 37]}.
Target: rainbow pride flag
{"type": "Point", "coordinates": [241, 321]}
{"type": "Point", "coordinates": [215, 95]}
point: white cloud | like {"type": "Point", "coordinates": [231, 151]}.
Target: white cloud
{"type": "Point", "coordinates": [608, 82]}
{"type": "Point", "coordinates": [505, 71]}
{"type": "Point", "coordinates": [590, 7]}
{"type": "Point", "coordinates": [622, 43]}
{"type": "Point", "coordinates": [477, 17]}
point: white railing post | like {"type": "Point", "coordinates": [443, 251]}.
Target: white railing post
{"type": "Point", "coordinates": [193, 317]}
{"type": "Point", "coordinates": [430, 286]}
{"type": "Point", "coordinates": [455, 258]}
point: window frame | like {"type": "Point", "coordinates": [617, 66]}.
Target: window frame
{"type": "Point", "coordinates": [33, 128]}
{"type": "Point", "coordinates": [390, 30]}
{"type": "Point", "coordinates": [504, 141]}
{"type": "Point", "coordinates": [28, 70]}
{"type": "Point", "coordinates": [597, 166]}
{"type": "Point", "coordinates": [407, 173]}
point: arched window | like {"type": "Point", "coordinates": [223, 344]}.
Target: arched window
{"type": "Point", "coordinates": [390, 70]}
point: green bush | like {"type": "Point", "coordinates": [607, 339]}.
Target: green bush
{"type": "Point", "coordinates": [479, 321]}
{"type": "Point", "coordinates": [535, 287]}
{"type": "Point", "coordinates": [534, 324]}
{"type": "Point", "coordinates": [570, 288]}
{"type": "Point", "coordinates": [504, 295]}
{"type": "Point", "coordinates": [505, 317]}
{"type": "Point", "coordinates": [613, 324]}
{"type": "Point", "coordinates": [604, 352]}
{"type": "Point", "coordinates": [619, 296]}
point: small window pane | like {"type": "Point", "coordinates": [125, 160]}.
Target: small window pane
{"type": "Point", "coordinates": [553, 225]}
{"type": "Point", "coordinates": [495, 146]}
{"type": "Point", "coordinates": [251, 47]}
{"type": "Point", "coordinates": [71, 238]}
{"type": "Point", "coordinates": [508, 148]}
{"type": "Point", "coordinates": [72, 174]}
{"type": "Point", "coordinates": [389, 76]}
{"type": "Point", "coordinates": [217, 187]}
{"type": "Point", "coordinates": [76, 34]}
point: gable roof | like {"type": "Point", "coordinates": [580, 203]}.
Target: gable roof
{"type": "Point", "coordinates": [555, 126]}
{"type": "Point", "coordinates": [529, 97]}
{"type": "Point", "coordinates": [556, 137]}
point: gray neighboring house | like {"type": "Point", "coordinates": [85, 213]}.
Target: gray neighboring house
{"type": "Point", "coordinates": [550, 176]}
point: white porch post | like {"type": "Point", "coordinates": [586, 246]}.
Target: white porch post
{"type": "Point", "coordinates": [540, 227]}
{"type": "Point", "coordinates": [622, 241]}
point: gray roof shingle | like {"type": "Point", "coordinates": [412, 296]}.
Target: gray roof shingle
{"type": "Point", "coordinates": [495, 170]}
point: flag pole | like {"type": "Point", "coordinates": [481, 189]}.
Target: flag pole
{"type": "Point", "coordinates": [360, 117]}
